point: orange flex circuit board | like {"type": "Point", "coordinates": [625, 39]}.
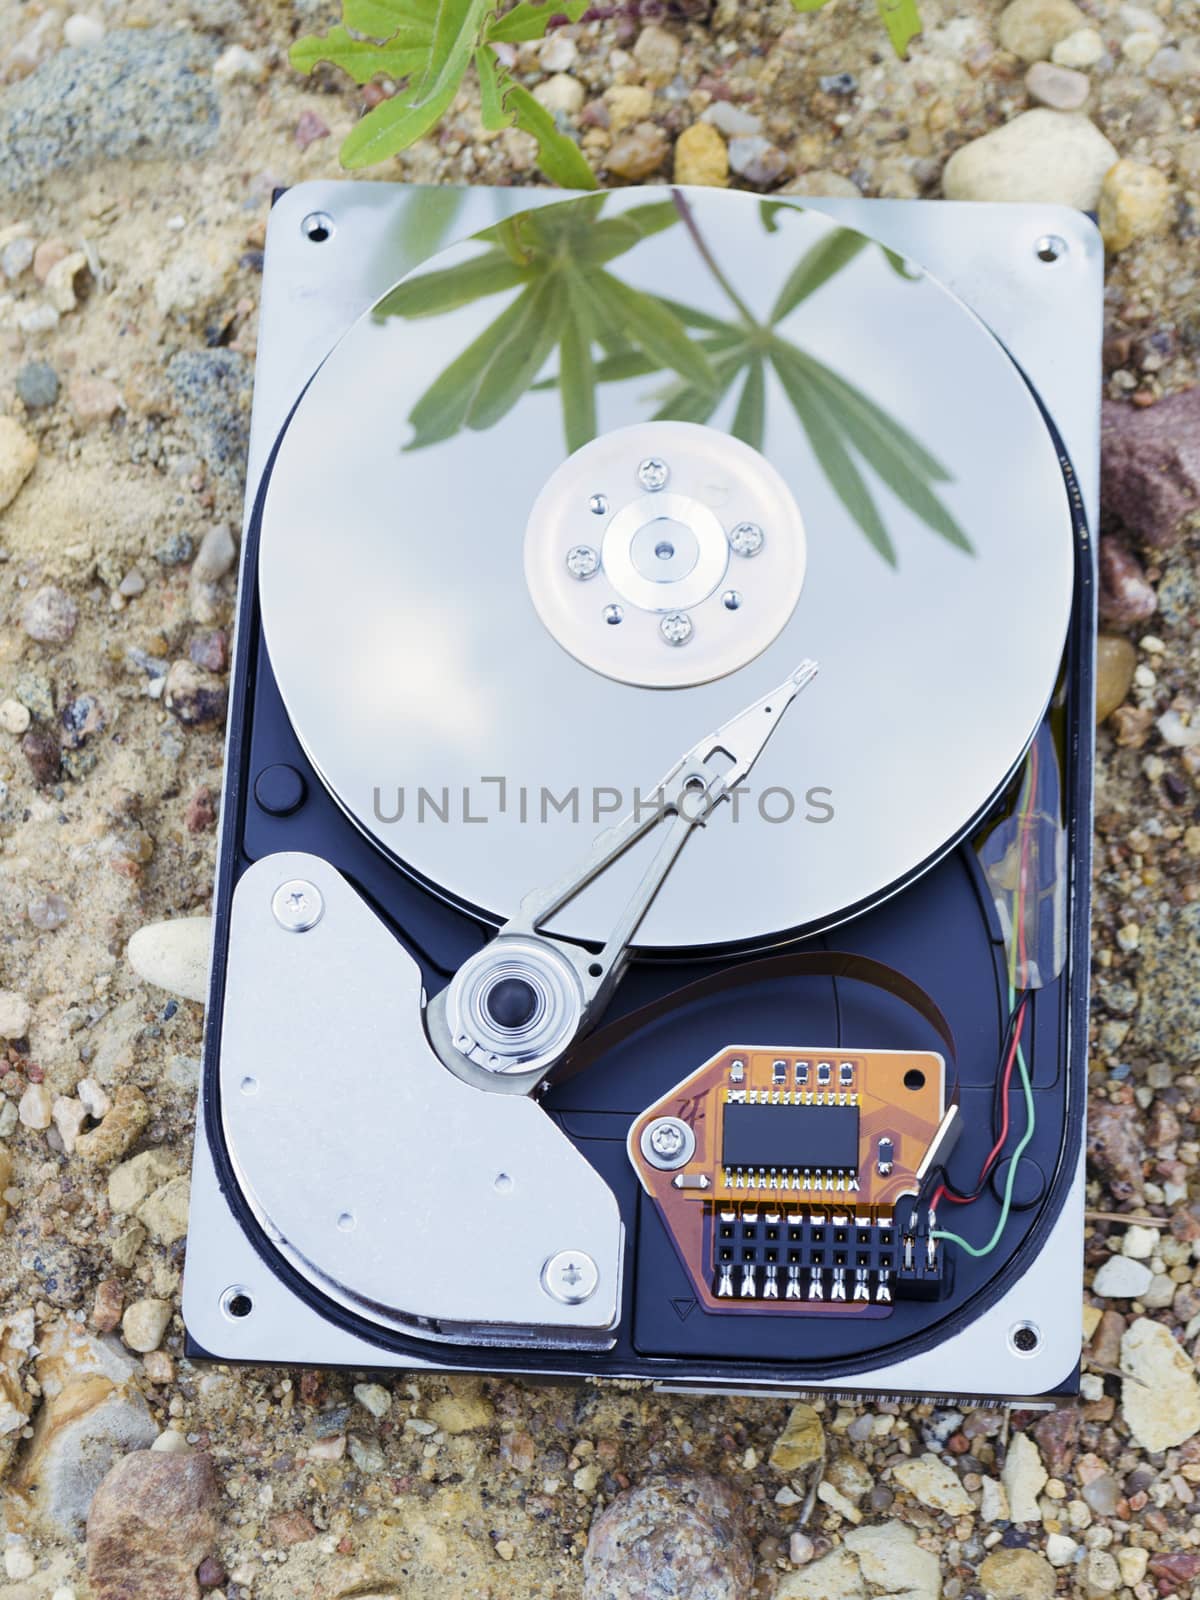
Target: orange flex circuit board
{"type": "Point", "coordinates": [779, 1174]}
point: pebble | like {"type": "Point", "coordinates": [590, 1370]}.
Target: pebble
{"type": "Point", "coordinates": [94, 1098]}
{"type": "Point", "coordinates": [1135, 202]}
{"type": "Point", "coordinates": [761, 163]}
{"type": "Point", "coordinates": [1140, 1242]}
{"type": "Point", "coordinates": [1031, 28]}
{"type": "Point", "coordinates": [107, 1305]}
{"type": "Point", "coordinates": [637, 152]}
{"type": "Point", "coordinates": [238, 65]}
{"type": "Point", "coordinates": [15, 1015]}
{"type": "Point", "coordinates": [801, 1445]}
{"type": "Point", "coordinates": [673, 1534]}
{"type": "Point", "coordinates": [1126, 596]}
{"type": "Point", "coordinates": [1139, 49]}
{"type": "Point", "coordinates": [175, 550]}
{"type": "Point", "coordinates": [701, 157]}
{"type": "Point", "coordinates": [890, 1559]}
{"type": "Point", "coordinates": [374, 1398]}
{"type": "Point", "coordinates": [136, 1179]}
{"type": "Point", "coordinates": [174, 955]}
{"type": "Point", "coordinates": [822, 183]}
{"type": "Point", "coordinates": [37, 385]}
{"type": "Point", "coordinates": [47, 255]}
{"type": "Point", "coordinates": [194, 697]}
{"type": "Point", "coordinates": [560, 94]}
{"type": "Point", "coordinates": [1080, 50]}
{"type": "Point", "coordinates": [309, 128]}
{"type": "Point", "coordinates": [80, 30]}
{"type": "Point", "coordinates": [212, 388]}
{"type": "Point", "coordinates": [151, 1524]}
{"type": "Point", "coordinates": [731, 120]}
{"type": "Point", "coordinates": [1115, 661]}
{"type": "Point", "coordinates": [1150, 467]}
{"type": "Point", "coordinates": [16, 258]}
{"type": "Point", "coordinates": [144, 1324]}
{"type": "Point", "coordinates": [929, 1480]}
{"type": "Point", "coordinates": [46, 911]}
{"type": "Point", "coordinates": [34, 1107]}
{"type": "Point", "coordinates": [18, 1561]}
{"type": "Point", "coordinates": [69, 1117]}
{"type": "Point", "coordinates": [801, 1549]}
{"type": "Point", "coordinates": [1160, 1397]}
{"type": "Point", "coordinates": [1024, 1478]}
{"type": "Point", "coordinates": [1057, 87]}
{"type": "Point", "coordinates": [18, 456]}
{"type": "Point", "coordinates": [65, 279]}
{"type": "Point", "coordinates": [93, 399]}
{"type": "Point", "coordinates": [557, 52]}
{"type": "Point", "coordinates": [627, 103]}
{"type": "Point", "coordinates": [165, 1213]}
{"type": "Point", "coordinates": [1015, 1573]}
{"type": "Point", "coordinates": [657, 54]}
{"type": "Point", "coordinates": [43, 752]}
{"type": "Point", "coordinates": [1120, 1278]}
{"type": "Point", "coordinates": [122, 1126]}
{"type": "Point", "coordinates": [49, 616]}
{"type": "Point", "coordinates": [1052, 157]}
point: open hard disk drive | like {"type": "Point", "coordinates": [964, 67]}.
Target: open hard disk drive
{"type": "Point", "coordinates": [652, 916]}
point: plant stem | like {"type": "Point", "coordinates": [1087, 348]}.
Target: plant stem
{"type": "Point", "coordinates": [710, 261]}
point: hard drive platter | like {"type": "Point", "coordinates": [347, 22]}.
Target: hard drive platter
{"type": "Point", "coordinates": [670, 831]}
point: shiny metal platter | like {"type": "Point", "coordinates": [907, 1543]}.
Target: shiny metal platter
{"type": "Point", "coordinates": [457, 730]}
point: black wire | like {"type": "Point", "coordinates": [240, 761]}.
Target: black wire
{"type": "Point", "coordinates": [938, 1175]}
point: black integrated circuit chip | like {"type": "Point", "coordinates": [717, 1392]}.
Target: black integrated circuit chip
{"type": "Point", "coordinates": [813, 1138]}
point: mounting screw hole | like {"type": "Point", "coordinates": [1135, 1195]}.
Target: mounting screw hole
{"type": "Point", "coordinates": [502, 1183]}
{"type": "Point", "coordinates": [1050, 248]}
{"type": "Point", "coordinates": [914, 1078]}
{"type": "Point", "coordinates": [1025, 1339]}
{"type": "Point", "coordinates": [317, 227]}
{"type": "Point", "coordinates": [595, 970]}
{"type": "Point", "coordinates": [236, 1303]}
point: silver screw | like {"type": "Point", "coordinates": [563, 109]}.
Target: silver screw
{"type": "Point", "coordinates": [582, 561]}
{"type": "Point", "coordinates": [1050, 248]}
{"type": "Point", "coordinates": [731, 599]}
{"type": "Point", "coordinates": [653, 474]}
{"type": "Point", "coordinates": [746, 539]}
{"type": "Point", "coordinates": [570, 1276]}
{"type": "Point", "coordinates": [668, 1143]}
{"type": "Point", "coordinates": [297, 905]}
{"type": "Point", "coordinates": [598, 505]}
{"type": "Point", "coordinates": [612, 615]}
{"type": "Point", "coordinates": [676, 628]}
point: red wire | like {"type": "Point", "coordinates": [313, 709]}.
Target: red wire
{"type": "Point", "coordinates": [941, 1192]}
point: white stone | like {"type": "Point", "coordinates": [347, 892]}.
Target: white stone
{"type": "Point", "coordinates": [1122, 1278]}
{"type": "Point", "coordinates": [836, 1576]}
{"type": "Point", "coordinates": [15, 1015]}
{"type": "Point", "coordinates": [561, 93]}
{"type": "Point", "coordinates": [237, 65]}
{"type": "Point", "coordinates": [1024, 1477]}
{"type": "Point", "coordinates": [14, 717]}
{"type": "Point", "coordinates": [1052, 157]}
{"type": "Point", "coordinates": [890, 1557]}
{"type": "Point", "coordinates": [1060, 1550]}
{"type": "Point", "coordinates": [1160, 1398]}
{"type": "Point", "coordinates": [932, 1482]}
{"type": "Point", "coordinates": [95, 1101]}
{"type": "Point", "coordinates": [374, 1398]}
{"type": "Point", "coordinates": [34, 1107]}
{"type": "Point", "coordinates": [1139, 49]}
{"type": "Point", "coordinates": [1140, 19]}
{"type": "Point", "coordinates": [171, 1442]}
{"type": "Point", "coordinates": [144, 1324]}
{"type": "Point", "coordinates": [69, 1118]}
{"type": "Point", "coordinates": [217, 553]}
{"type": "Point", "coordinates": [18, 1560]}
{"type": "Point", "coordinates": [82, 30]}
{"type": "Point", "coordinates": [558, 52]}
{"type": "Point", "coordinates": [1081, 49]}
{"type": "Point", "coordinates": [136, 1180]}
{"type": "Point", "coordinates": [731, 120]}
{"type": "Point", "coordinates": [993, 1502]}
{"type": "Point", "coordinates": [174, 955]}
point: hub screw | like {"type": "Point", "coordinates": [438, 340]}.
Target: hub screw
{"type": "Point", "coordinates": [297, 905]}
{"type": "Point", "coordinates": [653, 474]}
{"type": "Point", "coordinates": [668, 1143]}
{"type": "Point", "coordinates": [746, 539]}
{"type": "Point", "coordinates": [676, 628]}
{"type": "Point", "coordinates": [570, 1276]}
{"type": "Point", "coordinates": [582, 561]}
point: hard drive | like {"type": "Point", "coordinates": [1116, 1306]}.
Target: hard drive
{"type": "Point", "coordinates": [652, 906]}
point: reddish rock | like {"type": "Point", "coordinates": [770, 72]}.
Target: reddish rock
{"type": "Point", "coordinates": [309, 129]}
{"type": "Point", "coordinates": [42, 751]}
{"type": "Point", "coordinates": [201, 811]}
{"type": "Point", "coordinates": [1126, 597]}
{"type": "Point", "coordinates": [1173, 1569]}
{"type": "Point", "coordinates": [1057, 1435]}
{"type": "Point", "coordinates": [211, 1574]}
{"type": "Point", "coordinates": [1150, 466]}
{"type": "Point", "coordinates": [152, 1522]}
{"type": "Point", "coordinates": [1114, 1145]}
{"type": "Point", "coordinates": [288, 1528]}
{"type": "Point", "coordinates": [196, 698]}
{"type": "Point", "coordinates": [675, 1534]}
{"type": "Point", "coordinates": [108, 1305]}
{"type": "Point", "coordinates": [1105, 1347]}
{"type": "Point", "coordinates": [210, 650]}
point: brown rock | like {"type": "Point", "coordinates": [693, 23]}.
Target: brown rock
{"type": "Point", "coordinates": [1105, 1347]}
{"type": "Point", "coordinates": [1114, 1145]}
{"type": "Point", "coordinates": [673, 1535]}
{"type": "Point", "coordinates": [151, 1524]}
{"type": "Point", "coordinates": [287, 1528]}
{"type": "Point", "coordinates": [47, 256]}
{"type": "Point", "coordinates": [1126, 597]}
{"type": "Point", "coordinates": [1057, 1435]}
{"type": "Point", "coordinates": [121, 1127]}
{"type": "Point", "coordinates": [1115, 660]}
{"type": "Point", "coordinates": [210, 651]}
{"type": "Point", "coordinates": [210, 1574]}
{"type": "Point", "coordinates": [194, 697]}
{"type": "Point", "coordinates": [49, 616]}
{"type": "Point", "coordinates": [201, 812]}
{"type": "Point", "coordinates": [93, 399]}
{"type": "Point", "coordinates": [44, 754]}
{"type": "Point", "coordinates": [637, 152]}
{"type": "Point", "coordinates": [1017, 1574]}
{"type": "Point", "coordinates": [309, 129]}
{"type": "Point", "coordinates": [1174, 1567]}
{"type": "Point", "coordinates": [1150, 466]}
{"type": "Point", "coordinates": [108, 1305]}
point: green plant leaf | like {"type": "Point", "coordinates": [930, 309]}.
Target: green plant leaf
{"type": "Point", "coordinates": [559, 157]}
{"type": "Point", "coordinates": [691, 317]}
{"type": "Point", "coordinates": [865, 418]}
{"type": "Point", "coordinates": [653, 326]}
{"type": "Point", "coordinates": [450, 287]}
{"type": "Point", "coordinates": [576, 371]}
{"type": "Point", "coordinates": [750, 418]}
{"type": "Point", "coordinates": [456, 28]}
{"type": "Point", "coordinates": [383, 19]}
{"type": "Point", "coordinates": [528, 19]}
{"type": "Point", "coordinates": [361, 58]}
{"type": "Point", "coordinates": [491, 96]}
{"type": "Point", "coordinates": [809, 5]}
{"type": "Point", "coordinates": [902, 21]}
{"type": "Point", "coordinates": [392, 127]}
{"type": "Point", "coordinates": [823, 261]}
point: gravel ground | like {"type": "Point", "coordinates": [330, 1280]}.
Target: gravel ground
{"type": "Point", "coordinates": [138, 150]}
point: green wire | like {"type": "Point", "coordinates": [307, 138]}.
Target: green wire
{"type": "Point", "coordinates": [1013, 1164]}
